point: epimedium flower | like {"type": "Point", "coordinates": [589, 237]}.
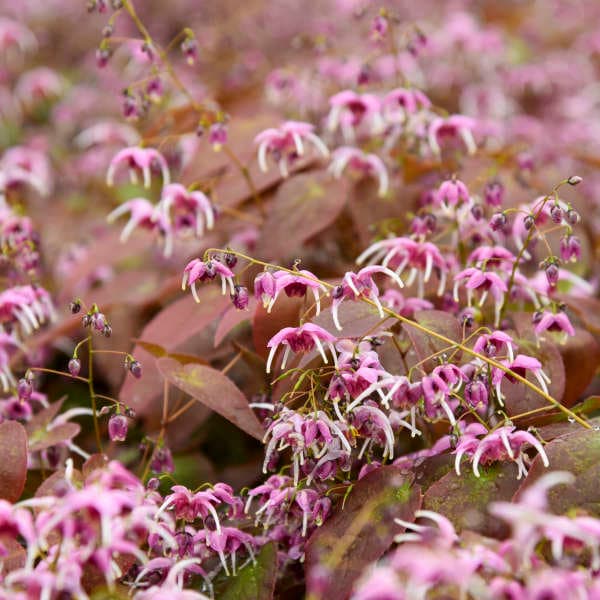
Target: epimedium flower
{"type": "Point", "coordinates": [186, 209]}
{"type": "Point", "coordinates": [136, 159]}
{"type": "Point", "coordinates": [360, 285]}
{"type": "Point", "coordinates": [352, 112]}
{"type": "Point", "coordinates": [268, 285]}
{"type": "Point", "coordinates": [520, 365]}
{"type": "Point", "coordinates": [494, 344]}
{"type": "Point", "coordinates": [557, 322]}
{"type": "Point", "coordinates": [28, 306]}
{"type": "Point", "coordinates": [454, 127]}
{"type": "Point", "coordinates": [300, 339]}
{"type": "Point", "coordinates": [360, 162]}
{"type": "Point", "coordinates": [399, 104]}
{"type": "Point", "coordinates": [492, 256]}
{"type": "Point", "coordinates": [107, 133]}
{"type": "Point", "coordinates": [14, 34]}
{"type": "Point", "coordinates": [198, 270]}
{"type": "Point", "coordinates": [450, 193]}
{"type": "Point", "coordinates": [143, 214]}
{"type": "Point", "coordinates": [286, 144]}
{"type": "Point", "coordinates": [483, 282]}
{"type": "Point", "coordinates": [401, 253]}
{"type": "Point", "coordinates": [504, 443]}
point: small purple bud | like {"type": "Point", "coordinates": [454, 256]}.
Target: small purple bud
{"type": "Point", "coordinates": [135, 368]}
{"type": "Point", "coordinates": [189, 47]}
{"type": "Point", "coordinates": [24, 389]}
{"type": "Point", "coordinates": [108, 30]}
{"type": "Point", "coordinates": [217, 135]}
{"type": "Point", "coordinates": [98, 321]}
{"type": "Point", "coordinates": [107, 330]}
{"type": "Point", "coordinates": [573, 216]}
{"type": "Point", "coordinates": [75, 306]}
{"type": "Point", "coordinates": [162, 461]}
{"type": "Point", "coordinates": [574, 180]}
{"type": "Point", "coordinates": [240, 297]}
{"type": "Point", "coordinates": [477, 212]}
{"type": "Point", "coordinates": [537, 317]}
{"type": "Point", "coordinates": [476, 393]}
{"type": "Point", "coordinates": [498, 221]}
{"type": "Point", "coordinates": [552, 274]}
{"type": "Point", "coordinates": [117, 428]}
{"type": "Point", "coordinates": [570, 248]}
{"type": "Point", "coordinates": [86, 320]}
{"type": "Point", "coordinates": [102, 57]}
{"type": "Point", "coordinates": [528, 222]}
{"type": "Point", "coordinates": [493, 193]}
{"type": "Point", "coordinates": [230, 260]}
{"type": "Point", "coordinates": [153, 483]}
{"type": "Point", "coordinates": [556, 214]}
{"type": "Point", "coordinates": [74, 366]}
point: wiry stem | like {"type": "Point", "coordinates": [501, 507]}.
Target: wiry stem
{"type": "Point", "coordinates": [451, 343]}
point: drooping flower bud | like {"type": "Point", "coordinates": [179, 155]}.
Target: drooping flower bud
{"type": "Point", "coordinates": [117, 428]}
{"type": "Point", "coordinates": [240, 297]}
{"type": "Point", "coordinates": [74, 366]}
{"type": "Point", "coordinates": [135, 368]}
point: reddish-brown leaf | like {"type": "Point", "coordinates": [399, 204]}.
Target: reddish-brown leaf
{"type": "Point", "coordinates": [304, 205]}
{"type": "Point", "coordinates": [463, 499]}
{"type": "Point", "coordinates": [168, 330]}
{"type": "Point", "coordinates": [426, 345]}
{"type": "Point", "coordinates": [231, 319]}
{"type": "Point", "coordinates": [213, 389]}
{"type": "Point", "coordinates": [13, 460]}
{"type": "Point", "coordinates": [361, 531]}
{"type": "Point", "coordinates": [578, 453]}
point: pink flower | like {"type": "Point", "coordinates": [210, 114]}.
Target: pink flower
{"type": "Point", "coordinates": [107, 133]}
{"type": "Point", "coordinates": [401, 253]}
{"type": "Point", "coordinates": [520, 365]}
{"type": "Point", "coordinates": [554, 322]}
{"type": "Point", "coordinates": [351, 111]}
{"type": "Point", "coordinates": [286, 144]}
{"type": "Point", "coordinates": [198, 270]}
{"type": "Point", "coordinates": [399, 104]}
{"type": "Point", "coordinates": [502, 444]}
{"type": "Point", "coordinates": [361, 284]}
{"type": "Point", "coordinates": [267, 286]}
{"type": "Point", "coordinates": [450, 193]}
{"type": "Point", "coordinates": [16, 34]}
{"type": "Point", "coordinates": [300, 339]}
{"type": "Point", "coordinates": [186, 209]}
{"type": "Point", "coordinates": [27, 306]}
{"type": "Point", "coordinates": [142, 214]}
{"type": "Point", "coordinates": [38, 84]}
{"type": "Point", "coordinates": [495, 343]}
{"type": "Point", "coordinates": [492, 256]}
{"type": "Point", "coordinates": [484, 282]}
{"type": "Point", "coordinates": [138, 159]}
{"type": "Point", "coordinates": [367, 164]}
{"type": "Point", "coordinates": [453, 127]}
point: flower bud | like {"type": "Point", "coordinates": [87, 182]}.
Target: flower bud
{"type": "Point", "coordinates": [574, 180]}
{"type": "Point", "coordinates": [230, 259]}
{"type": "Point", "coordinates": [75, 306]}
{"type": "Point", "coordinates": [117, 428]}
{"type": "Point", "coordinates": [240, 297]}
{"type": "Point", "coordinates": [573, 217]}
{"type": "Point", "coordinates": [476, 393]}
{"type": "Point", "coordinates": [74, 366]}
{"type": "Point", "coordinates": [107, 330]}
{"type": "Point", "coordinates": [498, 221]}
{"type": "Point", "coordinates": [552, 274]}
{"type": "Point", "coordinates": [24, 389]}
{"type": "Point", "coordinates": [528, 222]}
{"type": "Point", "coordinates": [135, 368]}
{"type": "Point", "coordinates": [493, 193]}
{"type": "Point", "coordinates": [556, 214]}
{"type": "Point", "coordinates": [477, 212]}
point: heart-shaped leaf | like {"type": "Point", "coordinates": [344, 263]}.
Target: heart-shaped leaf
{"type": "Point", "coordinates": [214, 390]}
{"type": "Point", "coordinates": [359, 532]}
{"type": "Point", "coordinates": [13, 460]}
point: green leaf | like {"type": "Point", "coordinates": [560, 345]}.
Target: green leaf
{"type": "Point", "coordinates": [256, 581]}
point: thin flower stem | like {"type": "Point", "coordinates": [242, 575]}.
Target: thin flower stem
{"type": "Point", "coordinates": [183, 409]}
{"type": "Point", "coordinates": [90, 382]}
{"type": "Point", "coordinates": [459, 345]}
{"type": "Point", "coordinates": [44, 370]}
